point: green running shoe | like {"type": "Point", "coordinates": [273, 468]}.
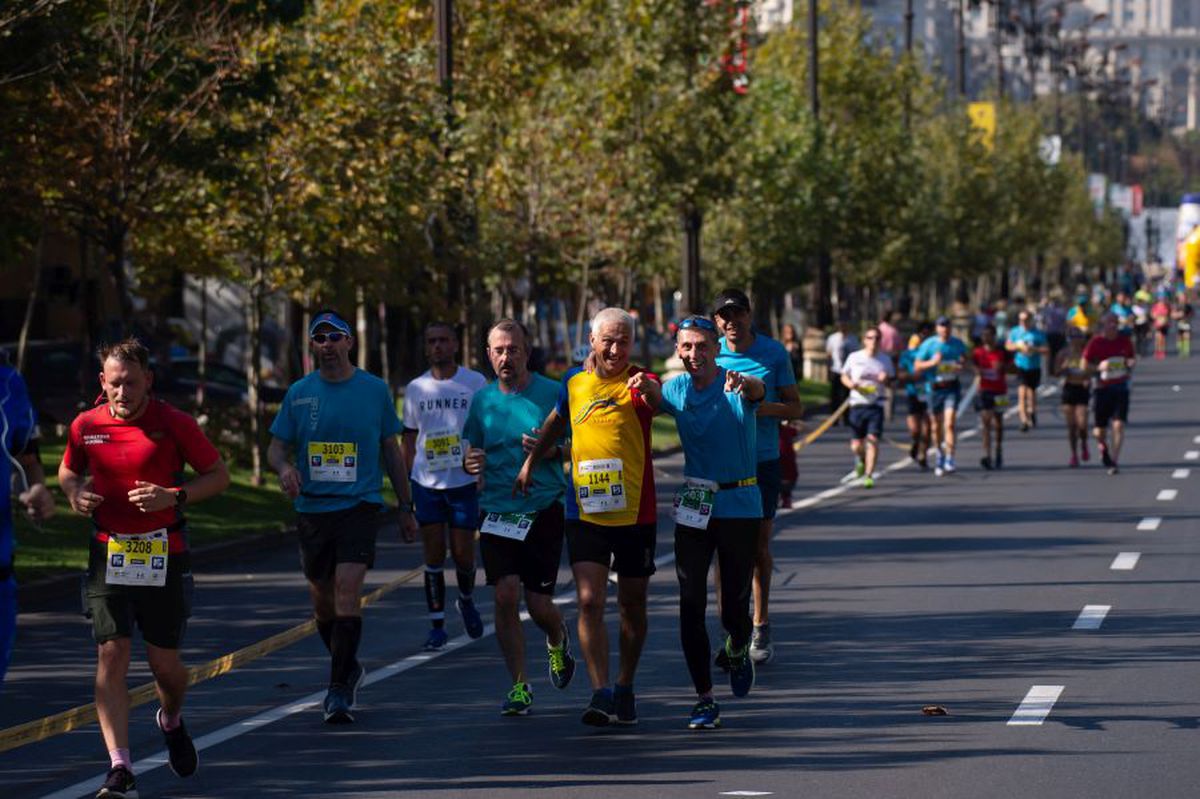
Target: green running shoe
{"type": "Point", "coordinates": [562, 662]}
{"type": "Point", "coordinates": [518, 701]}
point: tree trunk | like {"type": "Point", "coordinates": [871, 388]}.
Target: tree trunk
{"type": "Point", "coordinates": [385, 366]}
{"type": "Point", "coordinates": [360, 314]}
{"type": "Point", "coordinates": [253, 357]}
{"type": "Point", "coordinates": [202, 345]}
{"type": "Point", "coordinates": [31, 304]}
{"type": "Point", "coordinates": [114, 245]}
{"type": "Point", "coordinates": [581, 311]}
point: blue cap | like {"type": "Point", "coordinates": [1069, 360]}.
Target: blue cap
{"type": "Point", "coordinates": [943, 320]}
{"type": "Point", "coordinates": [331, 319]}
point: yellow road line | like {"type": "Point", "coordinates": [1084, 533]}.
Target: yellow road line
{"type": "Point", "coordinates": [50, 726]}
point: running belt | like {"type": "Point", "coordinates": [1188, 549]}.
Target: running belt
{"type": "Point", "coordinates": [745, 481]}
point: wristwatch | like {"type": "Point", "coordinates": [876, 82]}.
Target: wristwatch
{"type": "Point", "coordinates": [405, 507]}
{"type": "Point", "coordinates": [180, 498]}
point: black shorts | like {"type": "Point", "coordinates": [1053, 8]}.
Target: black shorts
{"type": "Point", "coordinates": [991, 401]}
{"type": "Point", "coordinates": [626, 549]}
{"type": "Point", "coordinates": [917, 406]}
{"type": "Point", "coordinates": [1111, 403]}
{"type": "Point", "coordinates": [535, 560]}
{"type": "Point", "coordinates": [866, 421]}
{"type": "Point", "coordinates": [160, 612]}
{"type": "Point", "coordinates": [1075, 394]}
{"type": "Point", "coordinates": [770, 484]}
{"type": "Point", "coordinates": [338, 536]}
{"type": "Point", "coordinates": [1030, 378]}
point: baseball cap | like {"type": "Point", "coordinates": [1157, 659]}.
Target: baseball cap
{"type": "Point", "coordinates": [943, 320]}
{"type": "Point", "coordinates": [730, 298]}
{"type": "Point", "coordinates": [333, 320]}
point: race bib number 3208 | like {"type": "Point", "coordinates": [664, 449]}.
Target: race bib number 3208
{"type": "Point", "coordinates": [137, 559]}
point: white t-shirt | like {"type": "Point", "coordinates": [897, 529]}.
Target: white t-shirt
{"type": "Point", "coordinates": [437, 410]}
{"type": "Point", "coordinates": [865, 369]}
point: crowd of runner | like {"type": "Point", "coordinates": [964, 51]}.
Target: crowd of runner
{"type": "Point", "coordinates": [525, 465]}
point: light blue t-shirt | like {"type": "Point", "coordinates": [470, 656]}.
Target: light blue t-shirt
{"type": "Point", "coordinates": [337, 430]}
{"type": "Point", "coordinates": [767, 360]}
{"type": "Point", "coordinates": [916, 386]}
{"type": "Point", "coordinates": [953, 350]}
{"type": "Point", "coordinates": [718, 433]}
{"type": "Point", "coordinates": [18, 424]}
{"type": "Point", "coordinates": [1124, 316]}
{"type": "Point", "coordinates": [495, 424]}
{"type": "Point", "coordinates": [1034, 338]}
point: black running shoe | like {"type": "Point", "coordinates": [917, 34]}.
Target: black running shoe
{"type": "Point", "coordinates": [181, 751]}
{"type": "Point", "coordinates": [625, 705]}
{"type": "Point", "coordinates": [986, 462]}
{"type": "Point", "coordinates": [721, 660]}
{"type": "Point", "coordinates": [1105, 457]}
{"type": "Point", "coordinates": [601, 711]}
{"type": "Point", "coordinates": [999, 458]}
{"type": "Point", "coordinates": [337, 705]}
{"type": "Point", "coordinates": [472, 621]}
{"type": "Point", "coordinates": [119, 785]}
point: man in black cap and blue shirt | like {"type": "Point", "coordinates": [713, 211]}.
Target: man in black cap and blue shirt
{"type": "Point", "coordinates": [750, 353]}
{"type": "Point", "coordinates": [944, 357]}
{"type": "Point", "coordinates": [341, 425]}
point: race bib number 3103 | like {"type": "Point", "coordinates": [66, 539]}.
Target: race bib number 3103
{"type": "Point", "coordinates": [600, 485]}
{"type": "Point", "coordinates": [333, 461]}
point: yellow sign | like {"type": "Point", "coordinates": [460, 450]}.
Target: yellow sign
{"type": "Point", "coordinates": [1190, 252]}
{"type": "Point", "coordinates": [983, 117]}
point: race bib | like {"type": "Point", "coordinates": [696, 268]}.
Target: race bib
{"type": "Point", "coordinates": [1113, 368]}
{"type": "Point", "coordinates": [600, 485]}
{"type": "Point", "coordinates": [866, 389]}
{"type": "Point", "coordinates": [508, 525]}
{"type": "Point", "coordinates": [1000, 400]}
{"type": "Point", "coordinates": [333, 461]}
{"type": "Point", "coordinates": [947, 372]}
{"type": "Point", "coordinates": [137, 559]}
{"type": "Point", "coordinates": [990, 374]}
{"type": "Point", "coordinates": [443, 450]}
{"type": "Point", "coordinates": [694, 502]}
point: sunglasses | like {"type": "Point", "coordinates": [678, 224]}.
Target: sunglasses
{"type": "Point", "coordinates": [333, 338]}
{"type": "Point", "coordinates": [700, 322]}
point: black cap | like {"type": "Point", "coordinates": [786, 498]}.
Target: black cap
{"type": "Point", "coordinates": [943, 320]}
{"type": "Point", "coordinates": [730, 298]}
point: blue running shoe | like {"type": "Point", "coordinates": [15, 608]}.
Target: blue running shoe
{"type": "Point", "coordinates": [337, 706]}
{"type": "Point", "coordinates": [706, 715]}
{"type": "Point", "coordinates": [518, 701]}
{"type": "Point", "coordinates": [562, 662]}
{"type": "Point", "coordinates": [470, 616]}
{"type": "Point", "coordinates": [602, 710]}
{"type": "Point", "coordinates": [436, 640]}
{"type": "Point", "coordinates": [625, 705]}
{"type": "Point", "coordinates": [741, 669]}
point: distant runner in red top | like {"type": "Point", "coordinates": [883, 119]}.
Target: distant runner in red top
{"type": "Point", "coordinates": [122, 467]}
{"type": "Point", "coordinates": [1111, 358]}
{"type": "Point", "coordinates": [991, 395]}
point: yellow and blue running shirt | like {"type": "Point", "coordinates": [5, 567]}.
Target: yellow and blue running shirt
{"type": "Point", "coordinates": [612, 476]}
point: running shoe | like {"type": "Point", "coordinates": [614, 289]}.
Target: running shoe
{"type": "Point", "coordinates": [436, 640]}
{"type": "Point", "coordinates": [118, 785]}
{"type": "Point", "coordinates": [721, 660]}
{"type": "Point", "coordinates": [1084, 455]}
{"type": "Point", "coordinates": [761, 649]}
{"type": "Point", "coordinates": [706, 715]}
{"type": "Point", "coordinates": [602, 710]}
{"type": "Point", "coordinates": [562, 662]}
{"type": "Point", "coordinates": [518, 701]}
{"type": "Point", "coordinates": [868, 482]}
{"type": "Point", "coordinates": [470, 616]}
{"type": "Point", "coordinates": [1114, 469]}
{"type": "Point", "coordinates": [923, 463]}
{"type": "Point", "coordinates": [337, 705]}
{"type": "Point", "coordinates": [986, 462]}
{"type": "Point", "coordinates": [1024, 427]}
{"type": "Point", "coordinates": [1033, 419]}
{"type": "Point", "coordinates": [626, 707]}
{"type": "Point", "coordinates": [741, 672]}
{"type": "Point", "coordinates": [357, 676]}
{"type": "Point", "coordinates": [949, 465]}
{"type": "Point", "coordinates": [912, 451]}
{"type": "Point", "coordinates": [181, 752]}
{"type": "Point", "coordinates": [999, 462]}
{"type": "Point", "coordinates": [1105, 458]}
{"type": "Point", "coordinates": [1074, 462]}
{"type": "Point", "coordinates": [940, 469]}
{"type": "Point", "coordinates": [859, 468]}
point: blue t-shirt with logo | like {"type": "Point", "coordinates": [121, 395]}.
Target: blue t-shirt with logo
{"type": "Point", "coordinates": [767, 360]}
{"type": "Point", "coordinates": [495, 424]}
{"type": "Point", "coordinates": [18, 425]}
{"type": "Point", "coordinates": [1034, 338]}
{"type": "Point", "coordinates": [953, 351]}
{"type": "Point", "coordinates": [907, 361]}
{"type": "Point", "coordinates": [337, 430]}
{"type": "Point", "coordinates": [719, 437]}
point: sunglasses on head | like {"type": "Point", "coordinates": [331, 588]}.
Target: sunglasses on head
{"type": "Point", "coordinates": [700, 322]}
{"type": "Point", "coordinates": [334, 338]}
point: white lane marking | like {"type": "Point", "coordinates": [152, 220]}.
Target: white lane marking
{"type": "Point", "coordinates": [745, 793]}
{"type": "Point", "coordinates": [1196, 440]}
{"type": "Point", "coordinates": [1192, 455]}
{"type": "Point", "coordinates": [1150, 523]}
{"type": "Point", "coordinates": [1125, 561]}
{"type": "Point", "coordinates": [1181, 474]}
{"type": "Point", "coordinates": [1091, 617]}
{"type": "Point", "coordinates": [1036, 705]}
{"type": "Point", "coordinates": [1167, 494]}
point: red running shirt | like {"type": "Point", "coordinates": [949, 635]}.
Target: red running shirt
{"type": "Point", "coordinates": [991, 365]}
{"type": "Point", "coordinates": [1117, 351]}
{"type": "Point", "coordinates": [116, 454]}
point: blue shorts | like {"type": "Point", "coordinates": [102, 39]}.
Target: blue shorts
{"type": "Point", "coordinates": [866, 421]}
{"type": "Point", "coordinates": [770, 483]}
{"type": "Point", "coordinates": [941, 397]}
{"type": "Point", "coordinates": [457, 507]}
{"type": "Point", "coordinates": [8, 622]}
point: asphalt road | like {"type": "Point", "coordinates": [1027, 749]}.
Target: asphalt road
{"type": "Point", "coordinates": [964, 592]}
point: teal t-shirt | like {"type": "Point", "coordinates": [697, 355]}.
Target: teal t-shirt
{"type": "Point", "coordinates": [1034, 338]}
{"type": "Point", "coordinates": [768, 360]}
{"type": "Point", "coordinates": [337, 430]}
{"type": "Point", "coordinates": [495, 424]}
{"type": "Point", "coordinates": [953, 351]}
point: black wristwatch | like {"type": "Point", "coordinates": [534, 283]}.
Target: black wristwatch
{"type": "Point", "coordinates": [180, 498]}
{"type": "Point", "coordinates": [405, 507]}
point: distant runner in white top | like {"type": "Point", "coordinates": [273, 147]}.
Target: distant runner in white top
{"type": "Point", "coordinates": [866, 373]}
{"type": "Point", "coordinates": [436, 405]}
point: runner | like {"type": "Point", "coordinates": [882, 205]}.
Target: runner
{"type": "Point", "coordinates": [447, 498]}
{"type": "Point", "coordinates": [19, 439]}
{"type": "Point", "coordinates": [1160, 315]}
{"type": "Point", "coordinates": [1076, 394]}
{"type": "Point", "coordinates": [717, 509]}
{"type": "Point", "coordinates": [1122, 308]}
{"type": "Point", "coordinates": [944, 356]}
{"type": "Point", "coordinates": [991, 394]}
{"type": "Point", "coordinates": [341, 424]}
{"type": "Point", "coordinates": [521, 539]}
{"type": "Point", "coordinates": [122, 466]}
{"type": "Point", "coordinates": [1182, 314]}
{"type": "Point", "coordinates": [916, 391]}
{"type": "Point", "coordinates": [607, 406]}
{"type": "Point", "coordinates": [1028, 345]}
{"type": "Point", "coordinates": [1080, 316]}
{"type": "Point", "coordinates": [745, 351]}
{"type": "Point", "coordinates": [1111, 358]}
{"type": "Point", "coordinates": [866, 373]}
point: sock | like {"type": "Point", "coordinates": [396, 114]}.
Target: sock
{"type": "Point", "coordinates": [120, 757]}
{"type": "Point", "coordinates": [347, 632]}
{"type": "Point", "coordinates": [622, 689]}
{"type": "Point", "coordinates": [705, 697]}
{"type": "Point", "coordinates": [325, 630]}
{"type": "Point", "coordinates": [435, 595]}
{"type": "Point", "coordinates": [466, 581]}
{"type": "Point", "coordinates": [168, 722]}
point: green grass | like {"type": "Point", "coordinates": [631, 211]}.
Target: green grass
{"type": "Point", "coordinates": [62, 543]}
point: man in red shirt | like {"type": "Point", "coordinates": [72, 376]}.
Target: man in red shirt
{"type": "Point", "coordinates": [1110, 357]}
{"type": "Point", "coordinates": [991, 396]}
{"type": "Point", "coordinates": [122, 467]}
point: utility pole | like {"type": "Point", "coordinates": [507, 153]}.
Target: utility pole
{"type": "Point", "coordinates": [908, 47]}
{"type": "Point", "coordinates": [999, 6]}
{"type": "Point", "coordinates": [961, 51]}
{"type": "Point", "coordinates": [823, 287]}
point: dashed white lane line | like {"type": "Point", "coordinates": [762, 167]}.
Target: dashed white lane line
{"type": "Point", "coordinates": [1196, 440]}
{"type": "Point", "coordinates": [1192, 455]}
{"type": "Point", "coordinates": [746, 793]}
{"type": "Point", "coordinates": [1181, 474]}
{"type": "Point", "coordinates": [1167, 495]}
{"type": "Point", "coordinates": [1036, 705]}
{"type": "Point", "coordinates": [1125, 561]}
{"type": "Point", "coordinates": [1091, 617]}
{"type": "Point", "coordinates": [1150, 523]}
